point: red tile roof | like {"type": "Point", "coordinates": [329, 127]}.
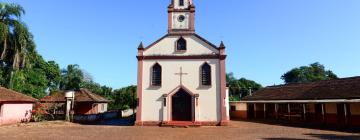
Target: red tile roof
{"type": "Point", "coordinates": [82, 95]}
{"type": "Point", "coordinates": [345, 88]}
{"type": "Point", "coordinates": [8, 95]}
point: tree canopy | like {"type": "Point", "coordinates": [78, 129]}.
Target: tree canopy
{"type": "Point", "coordinates": [311, 73]}
{"type": "Point", "coordinates": [24, 70]}
{"type": "Point", "coordinates": [239, 88]}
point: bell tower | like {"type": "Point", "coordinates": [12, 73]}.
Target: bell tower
{"type": "Point", "coordinates": [181, 14]}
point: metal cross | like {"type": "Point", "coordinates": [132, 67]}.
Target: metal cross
{"type": "Point", "coordinates": [181, 74]}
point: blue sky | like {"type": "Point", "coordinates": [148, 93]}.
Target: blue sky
{"type": "Point", "coordinates": [264, 38]}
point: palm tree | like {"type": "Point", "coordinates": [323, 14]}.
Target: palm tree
{"type": "Point", "coordinates": [16, 42]}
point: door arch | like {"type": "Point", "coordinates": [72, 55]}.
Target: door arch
{"type": "Point", "coordinates": [181, 106]}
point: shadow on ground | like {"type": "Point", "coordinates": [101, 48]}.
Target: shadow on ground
{"type": "Point", "coordinates": [114, 122]}
{"type": "Point", "coordinates": [348, 129]}
{"type": "Point", "coordinates": [321, 136]}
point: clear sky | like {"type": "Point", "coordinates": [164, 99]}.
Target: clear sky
{"type": "Point", "coordinates": [264, 38]}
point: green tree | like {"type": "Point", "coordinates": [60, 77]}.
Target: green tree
{"type": "Point", "coordinates": [124, 98]}
{"type": "Point", "coordinates": [311, 73]}
{"type": "Point", "coordinates": [239, 88]}
{"type": "Point", "coordinates": [72, 78]}
{"type": "Point", "coordinates": [53, 75]}
{"type": "Point", "coordinates": [31, 82]}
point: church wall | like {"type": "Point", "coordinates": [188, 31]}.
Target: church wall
{"type": "Point", "coordinates": [181, 25]}
{"type": "Point", "coordinates": [195, 46]}
{"type": "Point", "coordinates": [152, 101]}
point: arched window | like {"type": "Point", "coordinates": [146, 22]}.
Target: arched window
{"type": "Point", "coordinates": [206, 74]}
{"type": "Point", "coordinates": [181, 2]}
{"type": "Point", "coordinates": [156, 75]}
{"type": "Point", "coordinates": [181, 44]}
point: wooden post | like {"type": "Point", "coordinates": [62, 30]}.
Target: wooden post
{"type": "Point", "coordinates": [323, 112]}
{"type": "Point", "coordinates": [304, 109]}
{"type": "Point", "coordinates": [276, 111]}
{"type": "Point", "coordinates": [345, 113]}
{"type": "Point", "coordinates": [255, 111]}
{"type": "Point", "coordinates": [264, 111]}
{"type": "Point", "coordinates": [289, 111]}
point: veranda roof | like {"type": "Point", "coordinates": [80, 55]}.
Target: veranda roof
{"type": "Point", "coordinates": [344, 89]}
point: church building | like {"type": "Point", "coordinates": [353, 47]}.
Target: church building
{"type": "Point", "coordinates": [181, 76]}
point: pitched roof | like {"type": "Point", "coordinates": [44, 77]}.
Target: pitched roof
{"type": "Point", "coordinates": [8, 95]}
{"type": "Point", "coordinates": [82, 95]}
{"type": "Point", "coordinates": [345, 88]}
{"type": "Point", "coordinates": [182, 34]}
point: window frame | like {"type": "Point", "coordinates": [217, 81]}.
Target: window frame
{"type": "Point", "coordinates": [202, 75]}
{"type": "Point", "coordinates": [181, 3]}
{"type": "Point", "coordinates": [177, 45]}
{"type": "Point", "coordinates": [152, 76]}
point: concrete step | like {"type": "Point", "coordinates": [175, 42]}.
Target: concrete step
{"type": "Point", "coordinates": [180, 124]}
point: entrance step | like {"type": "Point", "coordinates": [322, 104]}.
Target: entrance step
{"type": "Point", "coordinates": [180, 124]}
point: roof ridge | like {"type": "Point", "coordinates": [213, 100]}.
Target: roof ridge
{"type": "Point", "coordinates": [315, 82]}
{"type": "Point", "coordinates": [87, 92]}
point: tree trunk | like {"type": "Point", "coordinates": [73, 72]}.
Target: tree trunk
{"type": "Point", "coordinates": [15, 61]}
{"type": "Point", "coordinates": [4, 50]}
{"type": "Point", "coordinates": [23, 61]}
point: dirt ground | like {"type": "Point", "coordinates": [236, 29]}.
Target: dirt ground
{"type": "Point", "coordinates": [237, 130]}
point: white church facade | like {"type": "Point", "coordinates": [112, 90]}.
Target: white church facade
{"type": "Point", "coordinates": [181, 76]}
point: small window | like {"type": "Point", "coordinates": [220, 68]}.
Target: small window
{"type": "Point", "coordinates": [206, 74]}
{"type": "Point", "coordinates": [181, 2]}
{"type": "Point", "coordinates": [181, 44]}
{"type": "Point", "coordinates": [156, 75]}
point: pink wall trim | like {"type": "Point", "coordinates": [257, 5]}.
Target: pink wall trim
{"type": "Point", "coordinates": [224, 117]}
{"type": "Point", "coordinates": [15, 113]}
{"type": "Point", "coordinates": [139, 88]}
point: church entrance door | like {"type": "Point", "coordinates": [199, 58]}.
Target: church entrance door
{"type": "Point", "coordinates": [181, 106]}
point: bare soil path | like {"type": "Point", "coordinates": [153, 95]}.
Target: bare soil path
{"type": "Point", "coordinates": [238, 130]}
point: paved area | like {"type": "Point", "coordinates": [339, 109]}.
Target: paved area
{"type": "Point", "coordinates": [238, 130]}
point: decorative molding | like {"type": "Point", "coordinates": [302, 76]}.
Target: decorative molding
{"type": "Point", "coordinates": [221, 57]}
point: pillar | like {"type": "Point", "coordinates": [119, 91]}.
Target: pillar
{"type": "Point", "coordinates": [276, 111]}
{"type": "Point", "coordinates": [68, 106]}
{"type": "Point", "coordinates": [289, 111]}
{"type": "Point", "coordinates": [165, 108]}
{"type": "Point", "coordinates": [197, 108]}
{"type": "Point", "coordinates": [304, 111]}
{"type": "Point", "coordinates": [323, 112]}
{"type": "Point", "coordinates": [345, 113]}
{"type": "Point", "coordinates": [69, 97]}
{"type": "Point", "coordinates": [255, 114]}
{"type": "Point", "coordinates": [264, 110]}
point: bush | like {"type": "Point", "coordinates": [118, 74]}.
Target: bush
{"type": "Point", "coordinates": [38, 113]}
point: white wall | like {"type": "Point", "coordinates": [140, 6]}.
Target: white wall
{"type": "Point", "coordinates": [102, 107]}
{"type": "Point", "coordinates": [209, 97]}
{"type": "Point", "coordinates": [14, 113]}
{"type": "Point", "coordinates": [195, 46]}
{"type": "Point", "coordinates": [176, 24]}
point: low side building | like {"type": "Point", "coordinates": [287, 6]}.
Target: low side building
{"type": "Point", "coordinates": [335, 102]}
{"type": "Point", "coordinates": [14, 107]}
{"type": "Point", "coordinates": [86, 102]}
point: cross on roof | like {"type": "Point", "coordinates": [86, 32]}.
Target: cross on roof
{"type": "Point", "coordinates": [181, 74]}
